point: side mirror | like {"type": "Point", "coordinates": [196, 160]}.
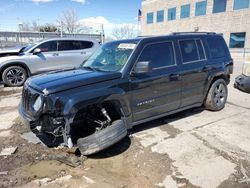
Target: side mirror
{"type": "Point", "coordinates": [37, 51]}
{"type": "Point", "coordinates": [142, 67]}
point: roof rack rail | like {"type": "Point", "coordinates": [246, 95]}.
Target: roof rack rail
{"type": "Point", "coordinates": [142, 36]}
{"type": "Point", "coordinates": [193, 33]}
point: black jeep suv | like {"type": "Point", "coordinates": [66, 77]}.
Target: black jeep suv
{"type": "Point", "coordinates": [126, 83]}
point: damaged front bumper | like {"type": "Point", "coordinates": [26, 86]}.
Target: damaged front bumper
{"type": "Point", "coordinates": [242, 83]}
{"type": "Point", "coordinates": [25, 118]}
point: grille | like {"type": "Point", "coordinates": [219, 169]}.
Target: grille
{"type": "Point", "coordinates": [28, 97]}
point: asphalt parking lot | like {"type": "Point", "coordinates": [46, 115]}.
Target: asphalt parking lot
{"type": "Point", "coordinates": [194, 148]}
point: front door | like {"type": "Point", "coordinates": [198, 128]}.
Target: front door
{"type": "Point", "coordinates": [156, 92]}
{"type": "Point", "coordinates": [45, 61]}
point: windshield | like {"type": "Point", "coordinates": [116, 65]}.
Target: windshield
{"type": "Point", "coordinates": [110, 57]}
{"type": "Point", "coordinates": [25, 49]}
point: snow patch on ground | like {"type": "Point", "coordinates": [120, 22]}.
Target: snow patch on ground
{"type": "Point", "coordinates": [168, 183]}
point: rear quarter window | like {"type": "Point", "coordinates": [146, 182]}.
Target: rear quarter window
{"type": "Point", "coordinates": [86, 44]}
{"type": "Point", "coordinates": [217, 47]}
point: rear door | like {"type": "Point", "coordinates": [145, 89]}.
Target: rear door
{"type": "Point", "coordinates": [193, 71]}
{"type": "Point", "coordinates": [72, 53]}
{"type": "Point", "coordinates": [156, 92]}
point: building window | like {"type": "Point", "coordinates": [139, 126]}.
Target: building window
{"type": "Point", "coordinates": [172, 14]}
{"type": "Point", "coordinates": [241, 4]}
{"type": "Point", "coordinates": [237, 40]}
{"type": "Point", "coordinates": [201, 8]}
{"type": "Point", "coordinates": [219, 6]}
{"type": "Point", "coordinates": [185, 11]}
{"type": "Point", "coordinates": [160, 16]}
{"type": "Point", "coordinates": [150, 18]}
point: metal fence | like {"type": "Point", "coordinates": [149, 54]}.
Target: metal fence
{"type": "Point", "coordinates": [243, 53]}
{"type": "Point", "coordinates": [11, 39]}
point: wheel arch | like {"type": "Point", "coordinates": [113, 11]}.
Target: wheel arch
{"type": "Point", "coordinates": [23, 65]}
{"type": "Point", "coordinates": [213, 79]}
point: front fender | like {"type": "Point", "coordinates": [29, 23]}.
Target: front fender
{"type": "Point", "coordinates": [96, 96]}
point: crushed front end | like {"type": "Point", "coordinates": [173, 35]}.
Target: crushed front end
{"type": "Point", "coordinates": [40, 113]}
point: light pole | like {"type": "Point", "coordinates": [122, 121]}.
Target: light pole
{"type": "Point", "coordinates": [20, 26]}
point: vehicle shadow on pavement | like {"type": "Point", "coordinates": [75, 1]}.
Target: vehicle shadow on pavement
{"type": "Point", "coordinates": [166, 120]}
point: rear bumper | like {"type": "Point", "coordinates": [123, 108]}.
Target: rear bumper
{"type": "Point", "coordinates": [242, 83]}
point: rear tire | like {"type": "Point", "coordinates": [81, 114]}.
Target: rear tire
{"type": "Point", "coordinates": [217, 96]}
{"type": "Point", "coordinates": [102, 139]}
{"type": "Point", "coordinates": [14, 76]}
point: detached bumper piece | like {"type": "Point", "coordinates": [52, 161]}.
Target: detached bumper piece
{"type": "Point", "coordinates": [103, 139]}
{"type": "Point", "coordinates": [242, 83]}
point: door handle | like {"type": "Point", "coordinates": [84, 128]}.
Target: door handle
{"type": "Point", "coordinates": [55, 54]}
{"type": "Point", "coordinates": [174, 77]}
{"type": "Point", "coordinates": [83, 53]}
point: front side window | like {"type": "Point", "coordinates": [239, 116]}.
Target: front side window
{"type": "Point", "coordinates": [171, 14]}
{"type": "Point", "coordinates": [189, 51]}
{"type": "Point", "coordinates": [219, 6]}
{"type": "Point", "coordinates": [217, 47]}
{"type": "Point", "coordinates": [237, 40]}
{"type": "Point", "coordinates": [110, 56]}
{"type": "Point", "coordinates": [201, 8]}
{"type": "Point", "coordinates": [241, 4]}
{"type": "Point", "coordinates": [159, 54]}
{"type": "Point", "coordinates": [150, 18]}
{"type": "Point", "coordinates": [185, 11]}
{"type": "Point", "coordinates": [50, 46]}
{"type": "Point", "coordinates": [160, 16]}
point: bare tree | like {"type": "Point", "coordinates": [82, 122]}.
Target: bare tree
{"type": "Point", "coordinates": [69, 21]}
{"type": "Point", "coordinates": [124, 32]}
{"type": "Point", "coordinates": [48, 28]}
{"type": "Point", "coordinates": [27, 26]}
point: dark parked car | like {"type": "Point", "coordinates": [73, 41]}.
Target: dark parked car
{"type": "Point", "coordinates": [126, 83]}
{"type": "Point", "coordinates": [242, 82]}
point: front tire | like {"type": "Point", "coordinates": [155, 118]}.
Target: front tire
{"type": "Point", "coordinates": [14, 76]}
{"type": "Point", "coordinates": [217, 96]}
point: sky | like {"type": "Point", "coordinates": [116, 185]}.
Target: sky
{"type": "Point", "coordinates": [109, 12]}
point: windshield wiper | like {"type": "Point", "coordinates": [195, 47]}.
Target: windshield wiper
{"type": "Point", "coordinates": [91, 68]}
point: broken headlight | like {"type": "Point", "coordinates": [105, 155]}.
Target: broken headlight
{"type": "Point", "coordinates": [38, 103]}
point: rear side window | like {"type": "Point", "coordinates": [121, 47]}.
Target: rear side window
{"type": "Point", "coordinates": [159, 54]}
{"type": "Point", "coordinates": [192, 50]}
{"type": "Point", "coordinates": [217, 47]}
{"type": "Point", "coordinates": [189, 51]}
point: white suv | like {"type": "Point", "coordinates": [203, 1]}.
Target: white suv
{"type": "Point", "coordinates": [48, 55]}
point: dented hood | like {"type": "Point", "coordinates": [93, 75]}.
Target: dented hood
{"type": "Point", "coordinates": [60, 81]}
{"type": "Point", "coordinates": [10, 51]}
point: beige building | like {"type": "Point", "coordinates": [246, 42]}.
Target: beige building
{"type": "Point", "coordinates": [230, 17]}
